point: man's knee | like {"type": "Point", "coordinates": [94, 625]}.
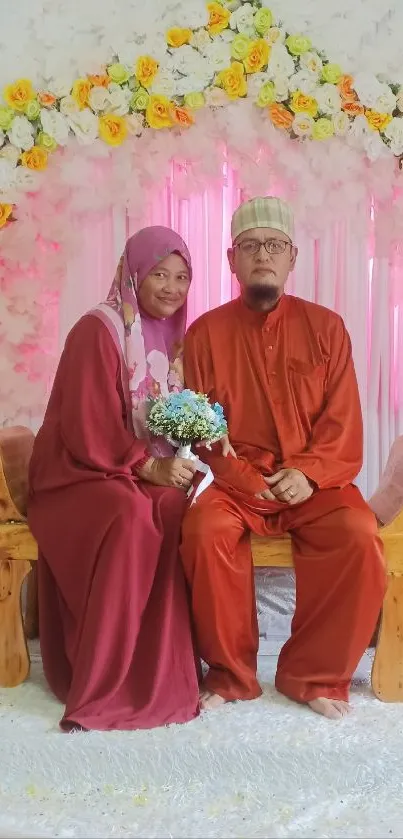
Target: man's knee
{"type": "Point", "coordinates": [211, 524]}
{"type": "Point", "coordinates": [357, 526]}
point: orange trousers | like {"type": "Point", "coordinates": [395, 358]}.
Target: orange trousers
{"type": "Point", "coordinates": [340, 584]}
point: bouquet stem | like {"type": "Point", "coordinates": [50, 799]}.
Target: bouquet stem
{"type": "Point", "coordinates": [185, 452]}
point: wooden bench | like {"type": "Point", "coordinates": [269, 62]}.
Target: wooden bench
{"type": "Point", "coordinates": [18, 550]}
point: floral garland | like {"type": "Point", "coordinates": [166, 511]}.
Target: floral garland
{"type": "Point", "coordinates": [240, 53]}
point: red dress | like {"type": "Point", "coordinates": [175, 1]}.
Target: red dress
{"type": "Point", "coordinates": [115, 629]}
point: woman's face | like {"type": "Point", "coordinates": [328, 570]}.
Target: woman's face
{"type": "Point", "coordinates": [165, 289]}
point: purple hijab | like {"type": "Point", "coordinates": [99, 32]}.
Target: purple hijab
{"type": "Point", "coordinates": [152, 348]}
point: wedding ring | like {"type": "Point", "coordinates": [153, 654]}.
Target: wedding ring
{"type": "Point", "coordinates": [291, 493]}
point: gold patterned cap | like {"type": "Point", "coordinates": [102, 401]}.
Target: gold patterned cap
{"type": "Point", "coordinates": [263, 212]}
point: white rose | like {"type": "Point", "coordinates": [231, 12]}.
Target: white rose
{"type": "Point", "coordinates": [255, 82]}
{"type": "Point", "coordinates": [218, 55]}
{"type": "Point", "coordinates": [216, 97]}
{"type": "Point", "coordinates": [27, 180]}
{"type": "Point", "coordinates": [54, 124]}
{"type": "Point", "coordinates": [367, 88]}
{"type": "Point", "coordinates": [68, 106]}
{"type": "Point", "coordinates": [135, 124]}
{"type": "Point", "coordinates": [7, 175]}
{"type": "Point", "coordinates": [21, 133]}
{"type": "Point", "coordinates": [281, 87]}
{"type": "Point", "coordinates": [191, 84]}
{"type": "Point", "coordinates": [275, 35]}
{"type": "Point", "coordinates": [242, 20]}
{"type": "Point", "coordinates": [305, 81]}
{"type": "Point", "coordinates": [303, 125]}
{"type": "Point", "coordinates": [10, 153]}
{"type": "Point", "coordinates": [281, 62]}
{"type": "Point", "coordinates": [374, 146]}
{"type": "Point", "coordinates": [359, 128]}
{"type": "Point", "coordinates": [2, 138]}
{"type": "Point", "coordinates": [85, 126]}
{"type": "Point", "coordinates": [399, 100]}
{"type": "Point", "coordinates": [341, 124]}
{"type": "Point", "coordinates": [312, 62]}
{"type": "Point", "coordinates": [119, 98]}
{"type": "Point", "coordinates": [328, 99]}
{"type": "Point", "coordinates": [186, 60]}
{"type": "Point", "coordinates": [59, 86]}
{"type": "Point", "coordinates": [164, 84]}
{"type": "Point", "coordinates": [200, 39]}
{"type": "Point", "coordinates": [99, 99]}
{"type": "Point", "coordinates": [394, 133]}
{"type": "Point", "coordinates": [386, 101]}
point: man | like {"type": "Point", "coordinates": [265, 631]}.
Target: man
{"type": "Point", "coordinates": [283, 371]}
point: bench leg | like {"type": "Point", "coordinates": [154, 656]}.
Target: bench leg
{"type": "Point", "coordinates": [387, 670]}
{"type": "Point", "coordinates": [14, 656]}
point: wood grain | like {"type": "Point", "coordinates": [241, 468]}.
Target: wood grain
{"type": "Point", "coordinates": [14, 657]}
{"type": "Point", "coordinates": [15, 453]}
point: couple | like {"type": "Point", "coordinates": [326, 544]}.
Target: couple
{"type": "Point", "coordinates": [120, 553]}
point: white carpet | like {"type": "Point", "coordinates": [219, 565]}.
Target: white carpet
{"type": "Point", "coordinates": [267, 768]}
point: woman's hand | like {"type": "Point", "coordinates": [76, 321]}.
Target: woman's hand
{"type": "Point", "coordinates": [226, 447]}
{"type": "Point", "coordinates": [175, 472]}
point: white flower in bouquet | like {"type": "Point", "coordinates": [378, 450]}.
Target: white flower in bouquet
{"type": "Point", "coordinates": [185, 418]}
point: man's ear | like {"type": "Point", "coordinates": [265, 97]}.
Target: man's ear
{"type": "Point", "coordinates": [293, 257]}
{"type": "Point", "coordinates": [230, 255]}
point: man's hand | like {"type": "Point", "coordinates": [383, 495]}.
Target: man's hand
{"type": "Point", "coordinates": [288, 485]}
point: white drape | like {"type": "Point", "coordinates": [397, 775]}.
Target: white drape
{"type": "Point", "coordinates": [338, 270]}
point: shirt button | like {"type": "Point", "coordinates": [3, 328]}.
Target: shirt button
{"type": "Point", "coordinates": [270, 347]}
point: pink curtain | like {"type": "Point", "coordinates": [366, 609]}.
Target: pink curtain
{"type": "Point", "coordinates": [341, 270]}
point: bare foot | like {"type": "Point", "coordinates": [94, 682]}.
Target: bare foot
{"type": "Point", "coordinates": [333, 709]}
{"type": "Point", "coordinates": [209, 701]}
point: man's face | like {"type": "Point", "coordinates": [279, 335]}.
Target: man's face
{"type": "Point", "coordinates": [262, 275]}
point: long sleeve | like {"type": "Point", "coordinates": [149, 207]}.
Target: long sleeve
{"type": "Point", "coordinates": [235, 473]}
{"type": "Point", "coordinates": [92, 406]}
{"type": "Point", "coordinates": [333, 457]}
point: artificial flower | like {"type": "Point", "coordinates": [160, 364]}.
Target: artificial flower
{"type": "Point", "coordinates": [376, 120]}
{"type": "Point", "coordinates": [21, 133]}
{"type": "Point", "coordinates": [275, 35]}
{"type": "Point", "coordinates": [266, 95]}
{"type": "Point", "coordinates": [346, 89]}
{"type": "Point", "coordinates": [80, 92]}
{"type": "Point", "coordinates": [35, 158]}
{"type": "Point", "coordinates": [194, 101]}
{"type": "Point", "coordinates": [10, 153]}
{"type": "Point", "coordinates": [158, 112]}
{"type": "Point", "coordinates": [46, 99]}
{"type": "Point", "coordinates": [146, 70]}
{"type": "Point", "coordinates": [135, 124]}
{"type": "Point", "coordinates": [386, 100]}
{"type": "Point", "coordinates": [45, 141]}
{"type": "Point", "coordinates": [98, 99]}
{"type": "Point", "coordinates": [302, 125]}
{"type": "Point", "coordinates": [7, 174]}
{"type": "Point", "coordinates": [181, 117]}
{"type": "Point", "coordinates": [332, 73]}
{"type": "Point", "coordinates": [177, 37]}
{"type": "Point", "coordinates": [6, 118]}
{"type": "Point", "coordinates": [328, 98]}
{"type": "Point", "coordinates": [112, 129]}
{"type": "Point", "coordinates": [68, 106]}
{"type": "Point", "coordinates": [301, 103]}
{"type": "Point", "coordinates": [240, 46]}
{"type": "Point", "coordinates": [215, 98]}
{"type": "Point", "coordinates": [341, 124]}
{"type": "Point", "coordinates": [32, 110]}
{"type": "Point", "coordinates": [118, 73]}
{"type": "Point", "coordinates": [84, 125]}
{"type": "Point", "coordinates": [399, 100]}
{"type": "Point", "coordinates": [281, 87]}
{"type": "Point", "coordinates": [242, 19]}
{"type": "Point", "coordinates": [200, 39]}
{"type": "Point", "coordinates": [305, 81]}
{"type": "Point", "coordinates": [99, 80]}
{"type": "Point", "coordinates": [233, 80]}
{"type": "Point", "coordinates": [281, 63]}
{"type": "Point", "coordinates": [322, 129]}
{"type": "Point", "coordinates": [394, 133]}
{"type": "Point", "coordinates": [263, 20]}
{"type": "Point", "coordinates": [54, 124]}
{"type": "Point", "coordinates": [257, 56]}
{"type": "Point", "coordinates": [18, 94]}
{"type": "Point", "coordinates": [5, 213]}
{"type": "Point", "coordinates": [355, 109]}
{"type": "Point", "coordinates": [139, 100]}
{"type": "Point", "coordinates": [312, 62]}
{"type": "Point", "coordinates": [119, 99]}
{"type": "Point", "coordinates": [298, 44]}
{"type": "Point", "coordinates": [281, 117]}
{"type": "Point", "coordinates": [218, 18]}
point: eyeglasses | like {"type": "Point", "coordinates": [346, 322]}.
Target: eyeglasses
{"type": "Point", "coordinates": [250, 247]}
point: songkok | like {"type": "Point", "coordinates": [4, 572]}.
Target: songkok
{"type": "Point", "coordinates": [263, 212]}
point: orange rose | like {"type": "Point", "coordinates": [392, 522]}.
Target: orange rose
{"type": "Point", "coordinates": [346, 90]}
{"type": "Point", "coordinates": [354, 109]}
{"type": "Point", "coordinates": [377, 121]}
{"type": "Point", "coordinates": [99, 81]}
{"type": "Point", "coordinates": [281, 117]}
{"type": "Point", "coordinates": [257, 56]}
{"type": "Point", "coordinates": [182, 117]}
{"type": "Point", "coordinates": [35, 158]}
{"type": "Point", "coordinates": [219, 18]}
{"type": "Point", "coordinates": [80, 92]}
{"type": "Point", "coordinates": [46, 99]}
{"type": "Point", "coordinates": [5, 213]}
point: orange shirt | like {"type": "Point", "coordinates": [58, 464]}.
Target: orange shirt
{"type": "Point", "coordinates": [287, 384]}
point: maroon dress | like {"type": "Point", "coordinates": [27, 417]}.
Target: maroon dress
{"type": "Point", "coordinates": [114, 621]}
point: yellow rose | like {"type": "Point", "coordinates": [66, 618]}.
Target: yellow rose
{"type": "Point", "coordinates": [297, 44]}
{"type": "Point", "coordinates": [323, 129]}
{"type": "Point", "coordinates": [303, 104]}
{"type": "Point", "coordinates": [112, 129]}
{"type": "Point", "coordinates": [45, 141]}
{"type": "Point", "coordinates": [332, 73]}
{"type": "Point", "coordinates": [80, 92]}
{"type": "Point", "coordinates": [194, 101]}
{"type": "Point", "coordinates": [17, 95]}
{"type": "Point", "coordinates": [146, 70]}
{"type": "Point", "coordinates": [267, 95]}
{"type": "Point", "coordinates": [233, 80]}
{"type": "Point", "coordinates": [177, 37]}
{"type": "Point", "coordinates": [158, 112]}
{"type": "Point", "coordinates": [263, 20]}
{"type": "Point", "coordinates": [5, 213]}
{"type": "Point", "coordinates": [377, 121]}
{"type": "Point", "coordinates": [35, 158]}
{"type": "Point", "coordinates": [219, 18]}
{"type": "Point", "coordinates": [240, 47]}
{"type": "Point", "coordinates": [257, 57]}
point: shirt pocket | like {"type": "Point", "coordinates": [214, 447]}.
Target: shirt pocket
{"type": "Point", "coordinates": [308, 387]}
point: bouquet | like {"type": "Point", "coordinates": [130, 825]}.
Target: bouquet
{"type": "Point", "coordinates": [185, 418]}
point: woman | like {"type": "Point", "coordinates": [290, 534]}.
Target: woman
{"type": "Point", "coordinates": [106, 505]}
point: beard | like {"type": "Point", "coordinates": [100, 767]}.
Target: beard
{"type": "Point", "coordinates": [259, 294]}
